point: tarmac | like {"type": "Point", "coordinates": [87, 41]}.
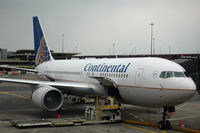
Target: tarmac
{"type": "Point", "coordinates": [16, 104]}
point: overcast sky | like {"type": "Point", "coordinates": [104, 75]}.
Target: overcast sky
{"type": "Point", "coordinates": [94, 25]}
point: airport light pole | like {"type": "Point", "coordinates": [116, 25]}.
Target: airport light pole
{"type": "Point", "coordinates": [62, 43]}
{"type": "Point", "coordinates": [75, 50]}
{"type": "Point", "coordinates": [160, 49]}
{"type": "Point", "coordinates": [113, 49]}
{"type": "Point", "coordinates": [154, 45]}
{"type": "Point", "coordinates": [169, 49]}
{"type": "Point", "coordinates": [133, 50]}
{"type": "Point", "coordinates": [152, 24]}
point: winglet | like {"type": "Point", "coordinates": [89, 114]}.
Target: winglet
{"type": "Point", "coordinates": [42, 52]}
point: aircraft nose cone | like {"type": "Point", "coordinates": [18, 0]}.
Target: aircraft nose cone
{"type": "Point", "coordinates": [190, 87]}
{"type": "Point", "coordinates": [187, 90]}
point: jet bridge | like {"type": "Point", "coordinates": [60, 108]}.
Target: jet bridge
{"type": "Point", "coordinates": [192, 67]}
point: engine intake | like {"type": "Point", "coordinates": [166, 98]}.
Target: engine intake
{"type": "Point", "coordinates": [48, 98]}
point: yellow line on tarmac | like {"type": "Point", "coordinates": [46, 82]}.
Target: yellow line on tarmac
{"type": "Point", "coordinates": [141, 120]}
{"type": "Point", "coordinates": [140, 123]}
{"type": "Point", "coordinates": [131, 114]}
{"type": "Point", "coordinates": [189, 110]}
{"type": "Point", "coordinates": [195, 104]}
{"type": "Point", "coordinates": [136, 116]}
{"type": "Point", "coordinates": [146, 130]}
{"type": "Point", "coordinates": [163, 131]}
{"type": "Point", "coordinates": [83, 126]}
{"type": "Point", "coordinates": [35, 130]}
{"type": "Point", "coordinates": [66, 107]}
{"type": "Point", "coordinates": [13, 94]}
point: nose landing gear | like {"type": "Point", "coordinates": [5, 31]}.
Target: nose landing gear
{"type": "Point", "coordinates": [165, 124]}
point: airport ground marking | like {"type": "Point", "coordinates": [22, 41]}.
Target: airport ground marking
{"type": "Point", "coordinates": [195, 104]}
{"type": "Point", "coordinates": [163, 131]}
{"type": "Point", "coordinates": [189, 110]}
{"type": "Point", "coordinates": [14, 94]}
{"type": "Point", "coordinates": [136, 116]}
{"type": "Point", "coordinates": [184, 118]}
{"type": "Point", "coordinates": [66, 107]}
{"type": "Point", "coordinates": [131, 114]}
{"type": "Point", "coordinates": [83, 126]}
{"type": "Point", "coordinates": [141, 120]}
{"type": "Point", "coordinates": [138, 128]}
{"type": "Point", "coordinates": [35, 130]}
{"type": "Point", "coordinates": [180, 106]}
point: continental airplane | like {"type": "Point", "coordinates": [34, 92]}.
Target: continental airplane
{"type": "Point", "coordinates": [147, 81]}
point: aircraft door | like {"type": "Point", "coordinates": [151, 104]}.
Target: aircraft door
{"type": "Point", "coordinates": [139, 76]}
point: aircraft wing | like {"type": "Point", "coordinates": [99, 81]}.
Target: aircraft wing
{"type": "Point", "coordinates": [18, 68]}
{"type": "Point", "coordinates": [72, 87]}
{"type": "Point", "coordinates": [106, 81]}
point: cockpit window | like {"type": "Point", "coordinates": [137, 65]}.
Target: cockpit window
{"type": "Point", "coordinates": [162, 75]}
{"type": "Point", "coordinates": [169, 74]}
{"type": "Point", "coordinates": [179, 74]}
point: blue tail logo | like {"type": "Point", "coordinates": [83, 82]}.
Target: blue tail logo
{"type": "Point", "coordinates": [42, 52]}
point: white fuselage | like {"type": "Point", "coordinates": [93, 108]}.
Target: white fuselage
{"type": "Point", "coordinates": [138, 79]}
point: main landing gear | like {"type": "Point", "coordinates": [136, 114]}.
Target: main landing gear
{"type": "Point", "coordinates": [165, 124]}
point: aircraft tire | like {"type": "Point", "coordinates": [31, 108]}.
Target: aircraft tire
{"type": "Point", "coordinates": [168, 125]}
{"type": "Point", "coordinates": [164, 125]}
{"type": "Point", "coordinates": [161, 125]}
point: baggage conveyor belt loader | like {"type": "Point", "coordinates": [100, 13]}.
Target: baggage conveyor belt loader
{"type": "Point", "coordinates": [106, 108]}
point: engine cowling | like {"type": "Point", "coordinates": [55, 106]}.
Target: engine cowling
{"type": "Point", "coordinates": [48, 98]}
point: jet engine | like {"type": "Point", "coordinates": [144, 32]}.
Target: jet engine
{"type": "Point", "coordinates": [48, 98]}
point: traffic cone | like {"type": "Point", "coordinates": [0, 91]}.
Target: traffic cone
{"type": "Point", "coordinates": [170, 114]}
{"type": "Point", "coordinates": [180, 124]}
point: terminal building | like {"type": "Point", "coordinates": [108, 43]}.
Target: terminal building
{"type": "Point", "coordinates": [3, 54]}
{"type": "Point", "coordinates": [26, 57]}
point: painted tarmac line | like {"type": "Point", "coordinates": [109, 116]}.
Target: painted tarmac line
{"type": "Point", "coordinates": [13, 94]}
{"type": "Point", "coordinates": [131, 114]}
{"type": "Point", "coordinates": [66, 107]}
{"type": "Point", "coordinates": [35, 130]}
{"type": "Point", "coordinates": [184, 118]}
{"type": "Point", "coordinates": [194, 104]}
{"type": "Point", "coordinates": [180, 106]}
{"type": "Point", "coordinates": [83, 126]}
{"type": "Point", "coordinates": [138, 128]}
{"type": "Point", "coordinates": [141, 120]}
{"type": "Point", "coordinates": [189, 110]}
{"type": "Point", "coordinates": [136, 116]}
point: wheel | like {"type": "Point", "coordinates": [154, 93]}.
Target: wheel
{"type": "Point", "coordinates": [168, 124]}
{"type": "Point", "coordinates": [161, 125]}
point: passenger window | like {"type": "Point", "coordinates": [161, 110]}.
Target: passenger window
{"type": "Point", "coordinates": [178, 74]}
{"type": "Point", "coordinates": [169, 74]}
{"type": "Point", "coordinates": [162, 75]}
